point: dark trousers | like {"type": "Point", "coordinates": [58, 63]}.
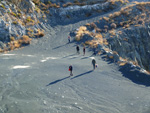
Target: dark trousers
{"type": "Point", "coordinates": [69, 40]}
{"type": "Point", "coordinates": [93, 66]}
{"type": "Point", "coordinates": [71, 73]}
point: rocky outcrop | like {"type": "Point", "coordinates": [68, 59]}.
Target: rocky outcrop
{"type": "Point", "coordinates": [4, 31]}
{"type": "Point", "coordinates": [133, 45]}
{"type": "Point", "coordinates": [74, 1]}
{"type": "Point", "coordinates": [76, 12]}
{"type": "Point", "coordinates": [9, 25]}
{"type": "Point", "coordinates": [18, 19]}
{"type": "Point", "coordinates": [127, 34]}
{"type": "Point", "coordinates": [24, 5]}
{"type": "Point", "coordinates": [23, 17]}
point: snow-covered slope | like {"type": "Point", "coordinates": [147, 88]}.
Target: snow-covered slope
{"type": "Point", "coordinates": [36, 79]}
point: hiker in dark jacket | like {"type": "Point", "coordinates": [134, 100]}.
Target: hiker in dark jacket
{"type": "Point", "coordinates": [78, 49]}
{"type": "Point", "coordinates": [71, 69]}
{"type": "Point", "coordinates": [94, 63]}
{"type": "Point", "coordinates": [84, 50]}
{"type": "Point", "coordinates": [69, 39]}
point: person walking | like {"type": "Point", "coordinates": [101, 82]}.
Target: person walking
{"type": "Point", "coordinates": [78, 49]}
{"type": "Point", "coordinates": [83, 50]}
{"type": "Point", "coordinates": [69, 39]}
{"type": "Point", "coordinates": [94, 51]}
{"type": "Point", "coordinates": [94, 63]}
{"type": "Point", "coordinates": [71, 69]}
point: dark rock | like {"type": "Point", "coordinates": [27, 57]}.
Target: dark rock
{"type": "Point", "coordinates": [85, 38]}
{"type": "Point", "coordinates": [2, 45]}
{"type": "Point", "coordinates": [135, 46]}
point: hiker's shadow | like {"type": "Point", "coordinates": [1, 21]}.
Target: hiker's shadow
{"type": "Point", "coordinates": [73, 57]}
{"type": "Point", "coordinates": [56, 81]}
{"type": "Point", "coordinates": [60, 46]}
{"type": "Point", "coordinates": [69, 56]}
{"type": "Point", "coordinates": [86, 57]}
{"type": "Point", "coordinates": [82, 74]}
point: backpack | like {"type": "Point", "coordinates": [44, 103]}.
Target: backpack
{"type": "Point", "coordinates": [70, 68]}
{"type": "Point", "coordinates": [96, 65]}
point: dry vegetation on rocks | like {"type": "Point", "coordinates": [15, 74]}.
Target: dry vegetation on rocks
{"type": "Point", "coordinates": [116, 24]}
{"type": "Point", "coordinates": [26, 15]}
{"type": "Point", "coordinates": [137, 15]}
{"type": "Point", "coordinates": [23, 22]}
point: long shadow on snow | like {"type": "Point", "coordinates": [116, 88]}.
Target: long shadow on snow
{"type": "Point", "coordinates": [135, 75]}
{"type": "Point", "coordinates": [60, 46]}
{"type": "Point", "coordinates": [82, 74]}
{"type": "Point", "coordinates": [56, 81]}
{"type": "Point", "coordinates": [74, 57]}
{"type": "Point", "coordinates": [86, 57]}
{"type": "Point", "coordinates": [69, 55]}
{"type": "Point", "coordinates": [63, 45]}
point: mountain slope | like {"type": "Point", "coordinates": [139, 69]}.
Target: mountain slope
{"type": "Point", "coordinates": [35, 79]}
{"type": "Point", "coordinates": [44, 86]}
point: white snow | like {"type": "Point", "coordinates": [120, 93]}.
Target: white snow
{"type": "Point", "coordinates": [103, 90]}
{"type": "Point", "coordinates": [43, 60]}
{"type": "Point", "coordinates": [20, 67]}
{"type": "Point", "coordinates": [44, 102]}
{"type": "Point", "coordinates": [28, 55]}
{"type": "Point", "coordinates": [48, 58]}
{"type": "Point", "coordinates": [92, 57]}
{"type": "Point", "coordinates": [8, 54]}
{"type": "Point", "coordinates": [75, 103]}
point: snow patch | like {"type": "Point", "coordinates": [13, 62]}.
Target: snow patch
{"type": "Point", "coordinates": [143, 70]}
{"type": "Point", "coordinates": [51, 58]}
{"type": "Point", "coordinates": [43, 60]}
{"type": "Point", "coordinates": [20, 67]}
{"type": "Point", "coordinates": [92, 57]}
{"type": "Point", "coordinates": [28, 55]}
{"type": "Point", "coordinates": [44, 102]}
{"type": "Point", "coordinates": [8, 54]}
{"type": "Point", "coordinates": [48, 58]}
